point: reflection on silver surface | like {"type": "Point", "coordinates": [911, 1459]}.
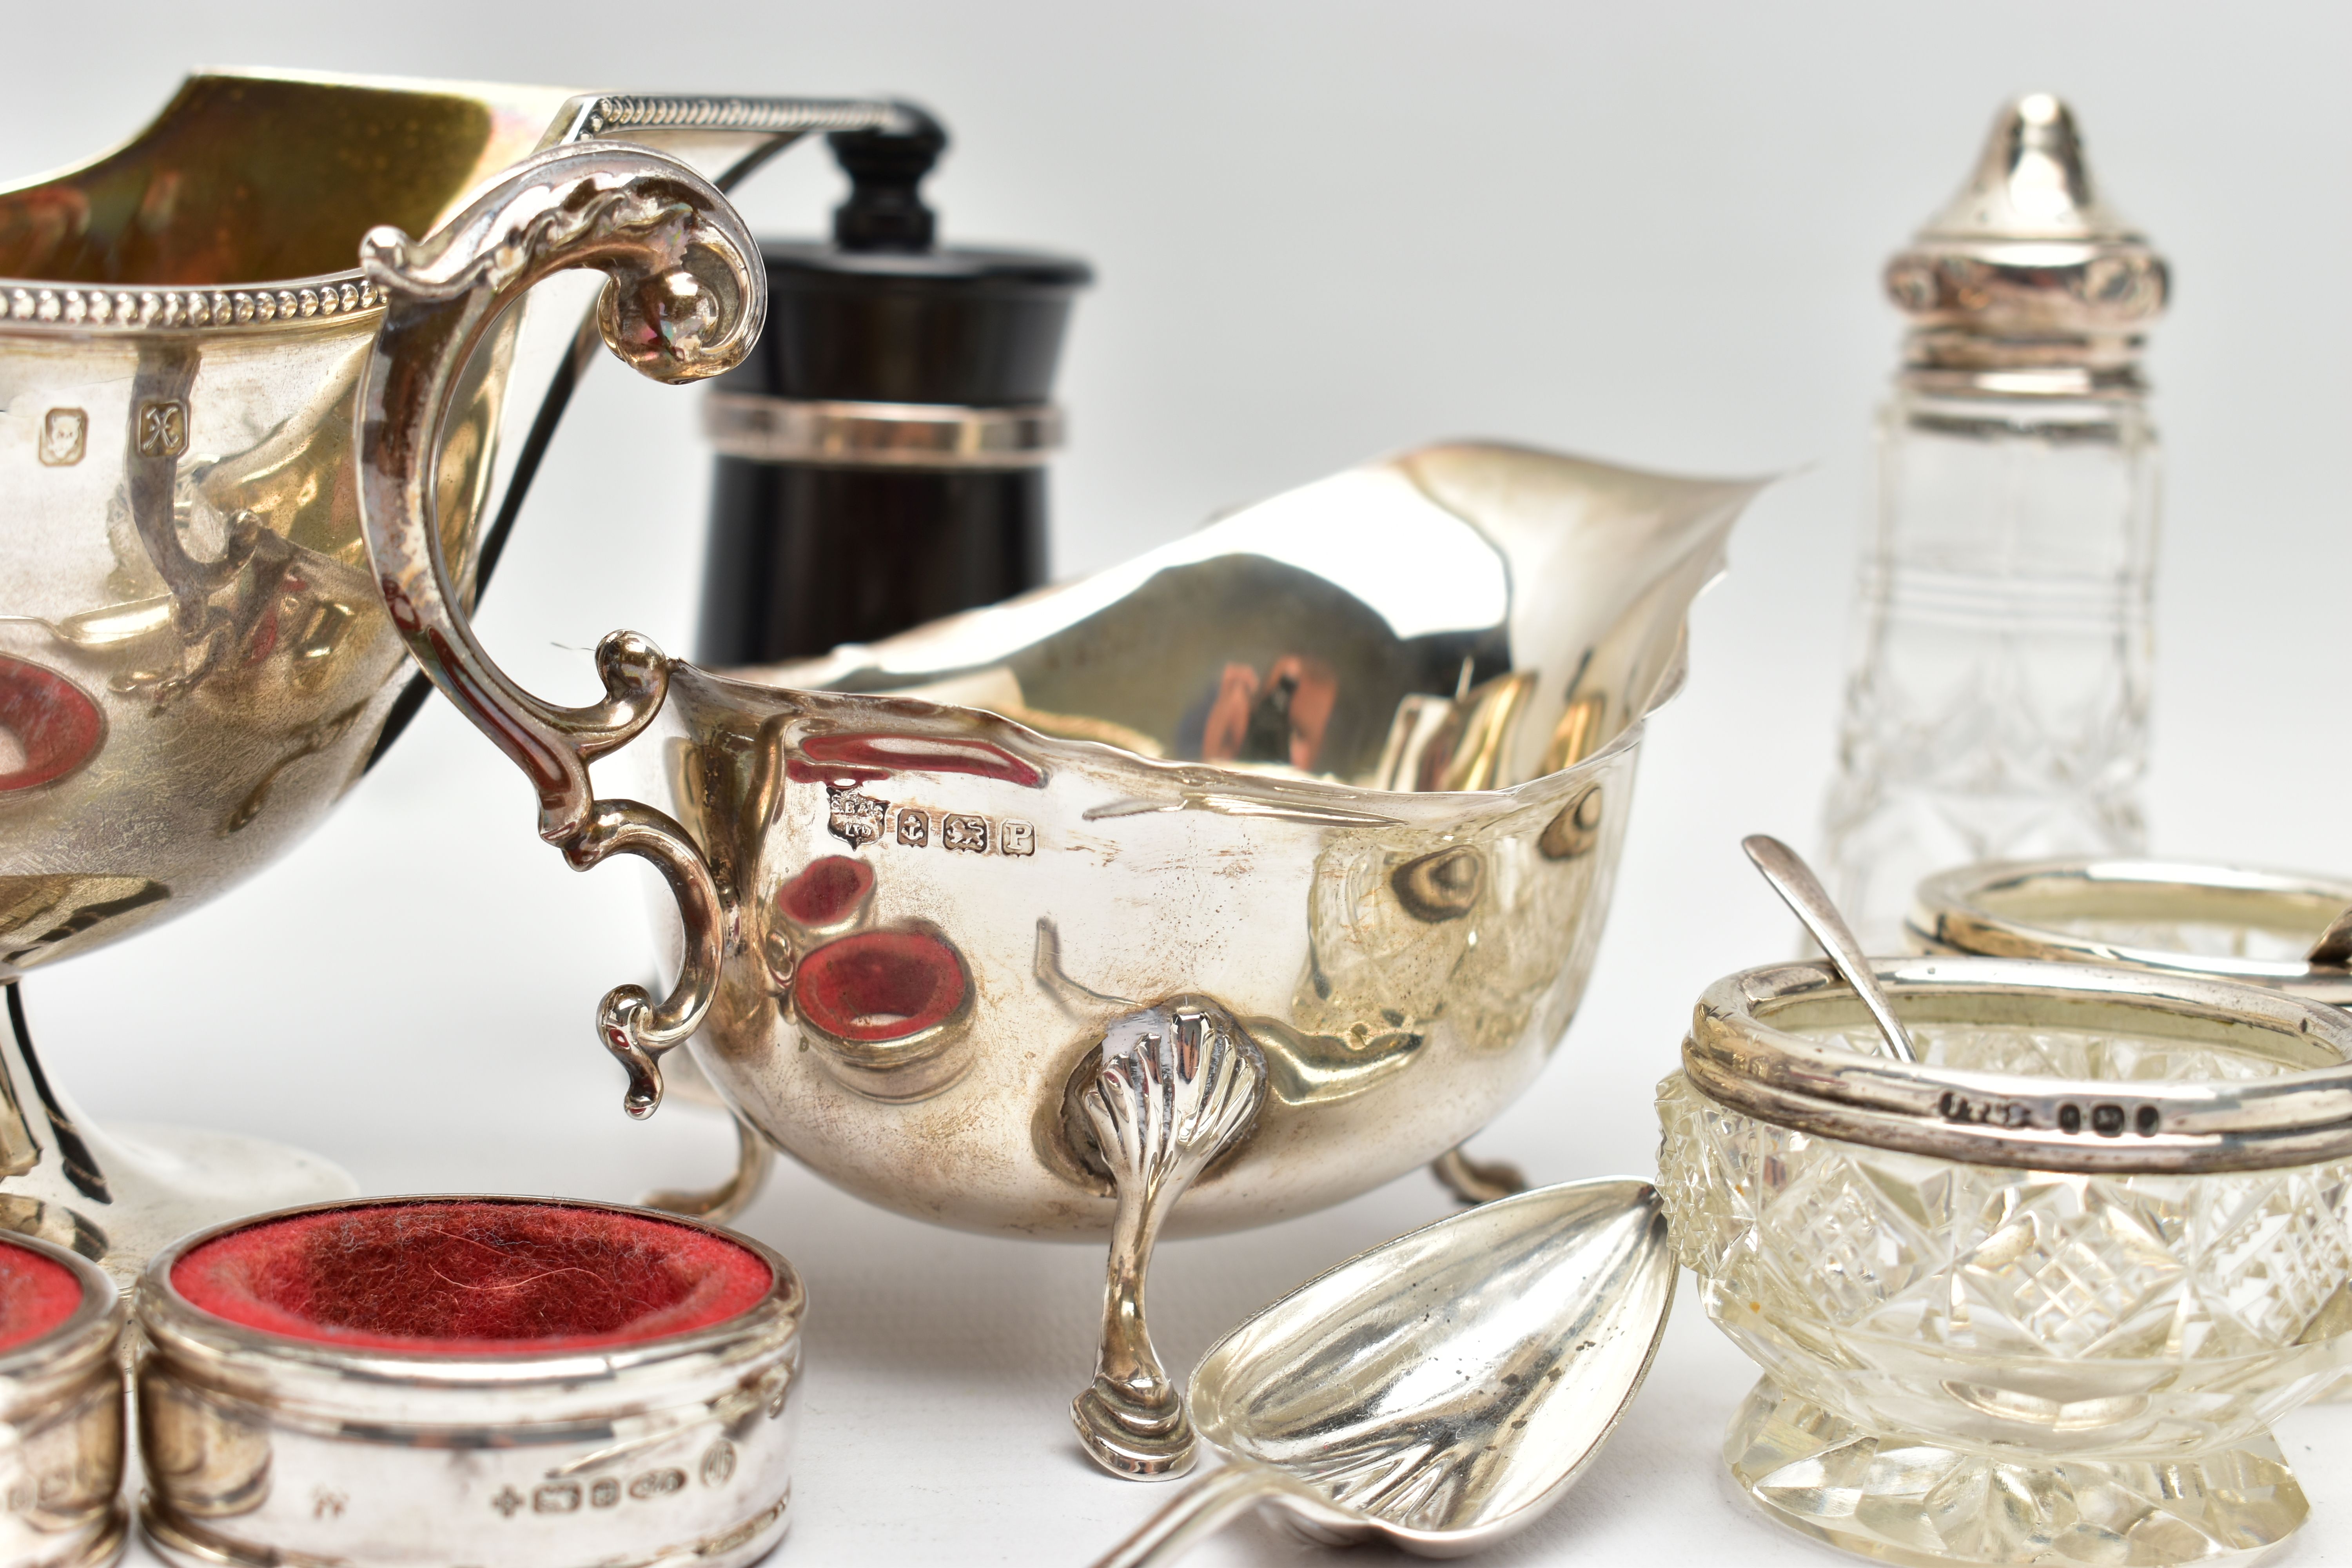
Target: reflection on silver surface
{"type": "Point", "coordinates": [1440, 1392]}
{"type": "Point", "coordinates": [1459, 617]}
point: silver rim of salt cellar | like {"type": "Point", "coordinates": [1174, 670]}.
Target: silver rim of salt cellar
{"type": "Point", "coordinates": [1990, 910]}
{"type": "Point", "coordinates": [1741, 1053]}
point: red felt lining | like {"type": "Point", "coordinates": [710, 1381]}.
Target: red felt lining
{"type": "Point", "coordinates": [880, 984]}
{"type": "Point", "coordinates": [58, 725]}
{"type": "Point", "coordinates": [924, 754]}
{"type": "Point", "coordinates": [841, 775]}
{"type": "Point", "coordinates": [36, 1294]}
{"type": "Point", "coordinates": [827, 890]}
{"type": "Point", "coordinates": [464, 1276]}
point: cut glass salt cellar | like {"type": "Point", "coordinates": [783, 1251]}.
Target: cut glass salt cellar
{"type": "Point", "coordinates": [2039, 1297]}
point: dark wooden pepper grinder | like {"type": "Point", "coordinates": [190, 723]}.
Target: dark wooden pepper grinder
{"type": "Point", "coordinates": [882, 452]}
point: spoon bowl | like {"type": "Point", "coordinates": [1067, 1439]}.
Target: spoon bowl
{"type": "Point", "coordinates": [1440, 1391]}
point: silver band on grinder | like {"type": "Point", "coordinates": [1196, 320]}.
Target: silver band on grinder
{"type": "Point", "coordinates": [880, 435]}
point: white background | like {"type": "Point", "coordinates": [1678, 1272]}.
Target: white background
{"type": "Point", "coordinates": [1650, 233]}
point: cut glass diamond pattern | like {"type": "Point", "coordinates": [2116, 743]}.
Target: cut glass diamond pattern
{"type": "Point", "coordinates": [2283, 1262]}
{"type": "Point", "coordinates": [1854, 1252]}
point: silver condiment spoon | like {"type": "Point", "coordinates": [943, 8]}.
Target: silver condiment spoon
{"type": "Point", "coordinates": [1438, 1392]}
{"type": "Point", "coordinates": [2334, 947]}
{"type": "Point", "coordinates": [1803, 892]}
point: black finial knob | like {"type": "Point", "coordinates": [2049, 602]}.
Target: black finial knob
{"type": "Point", "coordinates": [884, 211]}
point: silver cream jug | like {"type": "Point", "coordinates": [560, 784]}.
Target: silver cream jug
{"type": "Point", "coordinates": [194, 663]}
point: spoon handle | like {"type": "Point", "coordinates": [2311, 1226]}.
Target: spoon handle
{"type": "Point", "coordinates": [2335, 943]}
{"type": "Point", "coordinates": [1803, 892]}
{"type": "Point", "coordinates": [1205, 1506]}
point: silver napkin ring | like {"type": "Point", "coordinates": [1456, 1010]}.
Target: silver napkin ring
{"type": "Point", "coordinates": [60, 1409]}
{"type": "Point", "coordinates": [344, 1383]}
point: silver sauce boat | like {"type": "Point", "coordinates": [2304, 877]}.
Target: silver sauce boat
{"type": "Point", "coordinates": [1254, 873]}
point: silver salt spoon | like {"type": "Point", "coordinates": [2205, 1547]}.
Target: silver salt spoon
{"type": "Point", "coordinates": [1438, 1392]}
{"type": "Point", "coordinates": [1803, 892]}
{"type": "Point", "coordinates": [2335, 943]}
